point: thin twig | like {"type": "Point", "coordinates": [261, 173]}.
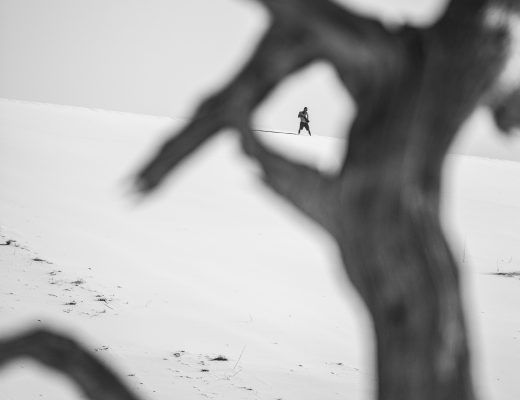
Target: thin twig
{"type": "Point", "coordinates": [239, 357]}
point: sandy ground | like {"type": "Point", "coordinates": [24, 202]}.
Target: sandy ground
{"type": "Point", "coordinates": [215, 265]}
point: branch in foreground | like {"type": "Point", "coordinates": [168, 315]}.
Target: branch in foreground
{"type": "Point", "coordinates": [282, 51]}
{"type": "Point", "coordinates": [289, 44]}
{"type": "Point", "coordinates": [70, 358]}
{"type": "Point", "coordinates": [304, 187]}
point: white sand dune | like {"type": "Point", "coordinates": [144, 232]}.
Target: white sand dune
{"type": "Point", "coordinates": [215, 264]}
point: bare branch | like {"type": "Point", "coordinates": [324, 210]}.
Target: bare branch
{"type": "Point", "coordinates": [291, 42]}
{"type": "Point", "coordinates": [310, 191]}
{"type": "Point", "coordinates": [281, 52]}
{"type": "Point", "coordinates": [413, 89]}
{"type": "Point", "coordinates": [361, 49]}
{"type": "Point", "coordinates": [507, 113]}
{"type": "Point", "coordinates": [67, 356]}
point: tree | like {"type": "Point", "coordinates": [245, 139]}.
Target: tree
{"type": "Point", "coordinates": [413, 89]}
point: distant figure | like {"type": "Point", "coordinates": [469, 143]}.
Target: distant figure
{"type": "Point", "coordinates": [304, 120]}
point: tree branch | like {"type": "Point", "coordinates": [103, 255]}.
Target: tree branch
{"type": "Point", "coordinates": [282, 51]}
{"type": "Point", "coordinates": [292, 41]}
{"type": "Point", "coordinates": [507, 113]}
{"type": "Point", "coordinates": [310, 191]}
{"type": "Point", "coordinates": [67, 356]}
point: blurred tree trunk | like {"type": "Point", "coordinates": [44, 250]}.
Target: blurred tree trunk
{"type": "Point", "coordinates": [413, 89]}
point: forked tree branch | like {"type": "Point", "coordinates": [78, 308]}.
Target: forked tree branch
{"type": "Point", "coordinates": [360, 48]}
{"type": "Point", "coordinates": [310, 191]}
{"type": "Point", "coordinates": [413, 90]}
{"type": "Point", "coordinates": [289, 44]}
{"type": "Point", "coordinates": [280, 52]}
{"type": "Point", "coordinates": [67, 356]}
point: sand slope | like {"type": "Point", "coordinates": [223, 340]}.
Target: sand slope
{"type": "Point", "coordinates": [214, 264]}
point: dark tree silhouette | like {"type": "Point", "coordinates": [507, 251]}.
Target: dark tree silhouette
{"type": "Point", "coordinates": [413, 89]}
{"type": "Point", "coordinates": [67, 356]}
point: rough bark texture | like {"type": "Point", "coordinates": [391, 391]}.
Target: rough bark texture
{"type": "Point", "coordinates": [413, 89]}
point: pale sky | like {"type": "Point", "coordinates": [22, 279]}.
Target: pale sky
{"type": "Point", "coordinates": [161, 56]}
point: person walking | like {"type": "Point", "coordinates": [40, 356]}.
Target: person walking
{"type": "Point", "coordinates": [304, 120]}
